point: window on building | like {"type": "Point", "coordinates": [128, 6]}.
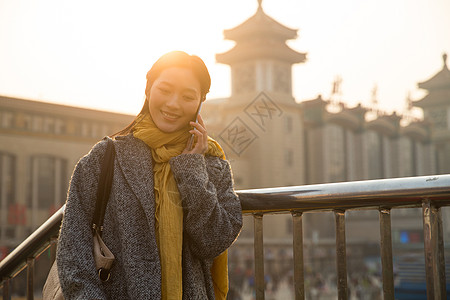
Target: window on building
{"type": "Point", "coordinates": [85, 128]}
{"type": "Point", "coordinates": [7, 191]}
{"type": "Point", "coordinates": [288, 124]}
{"type": "Point", "coordinates": [37, 123]}
{"type": "Point", "coordinates": [7, 174]}
{"type": "Point", "coordinates": [21, 121]}
{"type": "Point", "coordinates": [49, 125]}
{"type": "Point", "coordinates": [95, 131]}
{"type": "Point", "coordinates": [335, 153]}
{"type": "Point", "coordinates": [406, 154]}
{"type": "Point", "coordinates": [439, 117]}
{"type": "Point", "coordinates": [48, 182]}
{"type": "Point", "coordinates": [6, 119]}
{"type": "Point", "coordinates": [375, 154]}
{"type": "Point", "coordinates": [27, 122]}
{"type": "Point", "coordinates": [72, 127]}
{"type": "Point", "coordinates": [244, 76]}
{"type": "Point", "coordinates": [60, 126]}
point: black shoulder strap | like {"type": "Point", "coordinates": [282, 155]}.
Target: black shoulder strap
{"type": "Point", "coordinates": [104, 187]}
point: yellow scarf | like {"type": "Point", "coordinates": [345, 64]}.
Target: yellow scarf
{"type": "Point", "coordinates": [169, 209]}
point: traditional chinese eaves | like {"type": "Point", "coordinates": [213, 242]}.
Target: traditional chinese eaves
{"type": "Point", "coordinates": [260, 37]}
{"type": "Point", "coordinates": [260, 24]}
{"type": "Point", "coordinates": [259, 49]}
{"type": "Point", "coordinates": [434, 98]}
{"type": "Point", "coordinates": [439, 81]}
{"type": "Point", "coordinates": [438, 87]}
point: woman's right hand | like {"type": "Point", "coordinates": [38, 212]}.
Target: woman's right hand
{"type": "Point", "coordinates": [201, 146]}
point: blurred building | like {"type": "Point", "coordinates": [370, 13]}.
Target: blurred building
{"type": "Point", "coordinates": [436, 108]}
{"type": "Point", "coordinates": [273, 140]}
{"type": "Point", "coordinates": [40, 143]}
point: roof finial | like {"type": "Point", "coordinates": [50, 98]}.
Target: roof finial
{"type": "Point", "coordinates": [259, 4]}
{"type": "Point", "coordinates": [444, 58]}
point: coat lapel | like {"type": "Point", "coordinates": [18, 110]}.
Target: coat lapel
{"type": "Point", "coordinates": [135, 160]}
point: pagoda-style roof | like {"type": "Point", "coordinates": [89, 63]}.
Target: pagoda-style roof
{"type": "Point", "coordinates": [418, 130]}
{"type": "Point", "coordinates": [314, 111]}
{"type": "Point", "coordinates": [358, 110]}
{"type": "Point", "coordinates": [386, 124]}
{"type": "Point", "coordinates": [434, 98]}
{"type": "Point", "coordinates": [260, 24]}
{"type": "Point", "coordinates": [261, 48]}
{"type": "Point", "coordinates": [439, 81]}
{"type": "Point", "coordinates": [313, 103]}
{"type": "Point", "coordinates": [260, 37]}
{"type": "Point", "coordinates": [438, 88]}
{"type": "Point", "coordinates": [345, 118]}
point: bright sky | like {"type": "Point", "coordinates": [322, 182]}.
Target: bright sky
{"type": "Point", "coordinates": [96, 53]}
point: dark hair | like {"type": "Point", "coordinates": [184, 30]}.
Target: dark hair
{"type": "Point", "coordinates": [169, 60]}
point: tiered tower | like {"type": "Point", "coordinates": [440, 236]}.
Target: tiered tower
{"type": "Point", "coordinates": [436, 108]}
{"type": "Point", "coordinates": [261, 60]}
{"type": "Point", "coordinates": [260, 125]}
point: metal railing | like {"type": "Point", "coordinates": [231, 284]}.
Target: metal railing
{"type": "Point", "coordinates": [429, 192]}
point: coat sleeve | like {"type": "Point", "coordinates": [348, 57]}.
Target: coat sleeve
{"type": "Point", "coordinates": [75, 261]}
{"type": "Point", "coordinates": [212, 210]}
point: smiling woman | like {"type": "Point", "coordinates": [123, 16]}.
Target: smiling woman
{"type": "Point", "coordinates": [172, 212]}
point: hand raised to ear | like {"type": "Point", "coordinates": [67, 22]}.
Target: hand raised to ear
{"type": "Point", "coordinates": [201, 145]}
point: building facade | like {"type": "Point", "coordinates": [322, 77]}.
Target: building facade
{"type": "Point", "coordinates": [40, 143]}
{"type": "Point", "coordinates": [272, 139]}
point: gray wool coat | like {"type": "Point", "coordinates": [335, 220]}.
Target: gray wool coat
{"type": "Point", "coordinates": [212, 221]}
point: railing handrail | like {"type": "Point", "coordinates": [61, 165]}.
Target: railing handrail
{"type": "Point", "coordinates": [31, 246]}
{"type": "Point", "coordinates": [396, 192]}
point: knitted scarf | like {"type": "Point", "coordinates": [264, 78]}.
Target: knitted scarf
{"type": "Point", "coordinates": [169, 209]}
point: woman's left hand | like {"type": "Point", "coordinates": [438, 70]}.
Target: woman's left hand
{"type": "Point", "coordinates": [202, 137]}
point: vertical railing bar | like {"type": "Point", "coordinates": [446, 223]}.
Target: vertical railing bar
{"type": "Point", "coordinates": [341, 255]}
{"type": "Point", "coordinates": [259, 255]}
{"type": "Point", "coordinates": [430, 233]}
{"type": "Point", "coordinates": [441, 254]}
{"type": "Point", "coordinates": [299, 279]}
{"type": "Point", "coordinates": [386, 253]}
{"type": "Point", "coordinates": [6, 291]}
{"type": "Point", "coordinates": [30, 278]}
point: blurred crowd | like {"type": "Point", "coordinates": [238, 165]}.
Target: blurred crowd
{"type": "Point", "coordinates": [279, 279]}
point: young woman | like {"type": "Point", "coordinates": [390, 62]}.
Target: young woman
{"type": "Point", "coordinates": [172, 212]}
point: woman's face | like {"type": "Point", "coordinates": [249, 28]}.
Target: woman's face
{"type": "Point", "coordinates": [174, 99]}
